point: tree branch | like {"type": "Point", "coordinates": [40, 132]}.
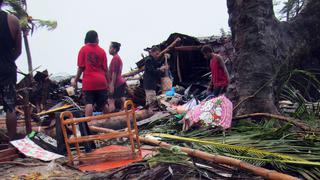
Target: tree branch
{"type": "Point", "coordinates": [296, 122]}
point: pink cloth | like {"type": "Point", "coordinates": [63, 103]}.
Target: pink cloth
{"type": "Point", "coordinates": [216, 112]}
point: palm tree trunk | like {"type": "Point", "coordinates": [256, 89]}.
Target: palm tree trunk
{"type": "Point", "coordinates": [264, 45]}
{"type": "Point", "coordinates": [27, 108]}
{"type": "Point", "coordinates": [26, 43]}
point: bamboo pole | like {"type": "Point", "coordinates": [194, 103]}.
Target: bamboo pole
{"type": "Point", "coordinates": [266, 173]}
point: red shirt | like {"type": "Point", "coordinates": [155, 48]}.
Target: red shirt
{"type": "Point", "coordinates": [116, 67]}
{"type": "Point", "coordinates": [94, 61]}
{"type": "Point", "coordinates": [219, 77]}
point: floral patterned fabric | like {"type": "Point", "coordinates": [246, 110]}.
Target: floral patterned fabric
{"type": "Point", "coordinates": [216, 112]}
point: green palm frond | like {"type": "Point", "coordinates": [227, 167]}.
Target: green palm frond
{"type": "Point", "coordinates": [259, 157]}
{"type": "Point", "coordinates": [304, 163]}
{"type": "Point", "coordinates": [239, 149]}
{"type": "Point", "coordinates": [267, 135]}
{"type": "Point", "coordinates": [172, 156]}
{"type": "Point", "coordinates": [16, 7]}
{"type": "Point", "coordinates": [49, 25]}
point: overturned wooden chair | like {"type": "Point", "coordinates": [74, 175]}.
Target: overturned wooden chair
{"type": "Point", "coordinates": [134, 151]}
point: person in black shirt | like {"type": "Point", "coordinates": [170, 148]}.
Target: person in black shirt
{"type": "Point", "coordinates": [10, 50]}
{"type": "Point", "coordinates": [151, 78]}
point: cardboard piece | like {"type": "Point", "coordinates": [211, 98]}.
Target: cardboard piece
{"type": "Point", "coordinates": [31, 149]}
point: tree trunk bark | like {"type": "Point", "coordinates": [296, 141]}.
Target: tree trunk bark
{"type": "Point", "coordinates": [264, 46]}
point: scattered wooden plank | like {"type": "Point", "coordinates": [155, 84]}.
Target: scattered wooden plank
{"type": "Point", "coordinates": [8, 154]}
{"type": "Point", "coordinates": [187, 48]}
{"type": "Point", "coordinates": [155, 117]}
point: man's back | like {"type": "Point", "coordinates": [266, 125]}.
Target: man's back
{"type": "Point", "coordinates": [94, 61]}
{"type": "Point", "coordinates": [116, 67]}
{"type": "Point", "coordinates": [10, 47]}
{"type": "Point", "coordinates": [152, 73]}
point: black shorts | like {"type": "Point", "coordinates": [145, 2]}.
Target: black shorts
{"type": "Point", "coordinates": [96, 97]}
{"type": "Point", "coordinates": [119, 92]}
{"type": "Point", "coordinates": [8, 94]}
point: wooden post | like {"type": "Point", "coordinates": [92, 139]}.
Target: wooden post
{"type": "Point", "coordinates": [27, 106]}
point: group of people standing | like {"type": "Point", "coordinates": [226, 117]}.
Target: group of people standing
{"type": "Point", "coordinates": [101, 85]}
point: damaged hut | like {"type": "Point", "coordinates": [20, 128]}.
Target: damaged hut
{"type": "Point", "coordinates": [187, 65]}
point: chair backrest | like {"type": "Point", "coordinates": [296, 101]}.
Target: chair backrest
{"type": "Point", "coordinates": [67, 119]}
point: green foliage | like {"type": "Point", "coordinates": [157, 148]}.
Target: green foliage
{"type": "Point", "coordinates": [27, 23]}
{"type": "Point", "coordinates": [172, 156]}
{"type": "Point", "coordinates": [301, 87]}
{"type": "Point", "coordinates": [292, 8]}
{"type": "Point", "coordinates": [267, 143]}
{"type": "Point", "coordinates": [49, 25]}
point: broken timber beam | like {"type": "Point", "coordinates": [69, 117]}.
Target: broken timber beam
{"type": "Point", "coordinates": [188, 48]}
{"type": "Point", "coordinates": [120, 122]}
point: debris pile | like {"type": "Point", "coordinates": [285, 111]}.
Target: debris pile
{"type": "Point", "coordinates": [190, 136]}
{"type": "Point", "coordinates": [187, 65]}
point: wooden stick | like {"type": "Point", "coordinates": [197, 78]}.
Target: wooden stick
{"type": "Point", "coordinates": [21, 164]}
{"type": "Point", "coordinates": [266, 173]}
{"type": "Point", "coordinates": [172, 45]}
{"type": "Point", "coordinates": [134, 72]}
{"type": "Point", "coordinates": [296, 122]}
{"type": "Point", "coordinates": [179, 68]}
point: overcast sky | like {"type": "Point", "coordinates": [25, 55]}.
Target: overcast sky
{"type": "Point", "coordinates": [135, 24]}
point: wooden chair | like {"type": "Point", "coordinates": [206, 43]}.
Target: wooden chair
{"type": "Point", "coordinates": [67, 119]}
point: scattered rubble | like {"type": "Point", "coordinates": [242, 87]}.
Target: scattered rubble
{"type": "Point", "coordinates": [245, 148]}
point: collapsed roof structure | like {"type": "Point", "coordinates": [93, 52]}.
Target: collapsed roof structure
{"type": "Point", "coordinates": [187, 64]}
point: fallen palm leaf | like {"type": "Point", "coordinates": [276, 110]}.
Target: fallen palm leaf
{"type": "Point", "coordinates": [250, 150]}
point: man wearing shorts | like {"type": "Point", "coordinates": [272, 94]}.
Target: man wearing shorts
{"type": "Point", "coordinates": [10, 50]}
{"type": "Point", "coordinates": [92, 62]}
{"type": "Point", "coordinates": [154, 70]}
{"type": "Point", "coordinates": [220, 76]}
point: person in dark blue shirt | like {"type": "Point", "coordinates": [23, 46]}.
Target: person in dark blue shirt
{"type": "Point", "coordinates": [154, 70]}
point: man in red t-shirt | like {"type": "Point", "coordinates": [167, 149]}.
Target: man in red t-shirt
{"type": "Point", "coordinates": [220, 76]}
{"type": "Point", "coordinates": [92, 62]}
{"type": "Point", "coordinates": [117, 82]}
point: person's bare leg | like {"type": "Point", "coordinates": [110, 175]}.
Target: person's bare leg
{"type": "Point", "coordinates": [106, 109]}
{"type": "Point", "coordinates": [111, 103]}
{"type": "Point", "coordinates": [88, 110]}
{"type": "Point", "coordinates": [11, 122]}
{"type": "Point", "coordinates": [149, 101]}
{"type": "Point", "coordinates": [123, 100]}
